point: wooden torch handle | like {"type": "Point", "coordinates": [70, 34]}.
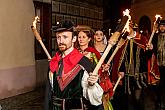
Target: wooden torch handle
{"type": "Point", "coordinates": [118, 80]}
{"type": "Point", "coordinates": [112, 42]}
{"type": "Point", "coordinates": [155, 26]}
{"type": "Point", "coordinates": [36, 34]}
{"type": "Point", "coordinates": [38, 37]}
{"type": "Point", "coordinates": [120, 43]}
{"type": "Point", "coordinates": [151, 37]}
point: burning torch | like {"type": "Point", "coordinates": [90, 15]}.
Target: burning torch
{"type": "Point", "coordinates": [38, 37]}
{"type": "Point", "coordinates": [123, 36]}
{"type": "Point", "coordinates": [155, 26]}
{"type": "Point", "coordinates": [125, 33]}
{"type": "Point", "coordinates": [112, 41]}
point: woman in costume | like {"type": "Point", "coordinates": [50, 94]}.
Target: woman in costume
{"type": "Point", "coordinates": [100, 41]}
{"type": "Point", "coordinates": [86, 46]}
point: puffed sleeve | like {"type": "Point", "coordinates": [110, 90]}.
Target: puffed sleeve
{"type": "Point", "coordinates": [92, 93]}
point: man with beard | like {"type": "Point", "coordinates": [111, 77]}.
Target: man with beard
{"type": "Point", "coordinates": [73, 85]}
{"type": "Point", "coordinates": [159, 50]}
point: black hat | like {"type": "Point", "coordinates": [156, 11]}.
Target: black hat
{"type": "Point", "coordinates": [162, 22]}
{"type": "Point", "coordinates": [64, 26]}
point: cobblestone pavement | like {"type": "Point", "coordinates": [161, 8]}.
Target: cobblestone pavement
{"type": "Point", "coordinates": [34, 101]}
{"type": "Point", "coordinates": [28, 101]}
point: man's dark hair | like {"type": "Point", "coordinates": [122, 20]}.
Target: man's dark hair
{"type": "Point", "coordinates": [162, 22]}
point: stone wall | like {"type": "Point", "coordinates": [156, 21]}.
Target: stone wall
{"type": "Point", "coordinates": [79, 12]}
{"type": "Point", "coordinates": [147, 7]}
{"type": "Point", "coordinates": [17, 63]}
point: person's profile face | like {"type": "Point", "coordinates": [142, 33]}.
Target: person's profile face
{"type": "Point", "coordinates": [99, 36]}
{"type": "Point", "coordinates": [64, 40]}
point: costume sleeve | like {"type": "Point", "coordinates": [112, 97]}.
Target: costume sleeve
{"type": "Point", "coordinates": [86, 63]}
{"type": "Point", "coordinates": [122, 67]}
{"type": "Point", "coordinates": [92, 93]}
{"type": "Point", "coordinates": [155, 42]}
{"type": "Point", "coordinates": [143, 61]}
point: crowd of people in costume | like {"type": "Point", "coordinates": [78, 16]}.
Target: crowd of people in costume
{"type": "Point", "coordinates": [140, 65]}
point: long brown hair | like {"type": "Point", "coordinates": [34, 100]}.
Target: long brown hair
{"type": "Point", "coordinates": [88, 31]}
{"type": "Point", "coordinates": [144, 25]}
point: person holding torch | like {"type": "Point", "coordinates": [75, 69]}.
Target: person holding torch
{"type": "Point", "coordinates": [74, 85]}
{"type": "Point", "coordinates": [159, 50]}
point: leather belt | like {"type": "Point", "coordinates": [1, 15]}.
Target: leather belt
{"type": "Point", "coordinates": [68, 103]}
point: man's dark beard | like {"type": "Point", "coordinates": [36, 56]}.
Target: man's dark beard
{"type": "Point", "coordinates": [163, 31]}
{"type": "Point", "coordinates": [64, 48]}
{"type": "Point", "coordinates": [61, 51]}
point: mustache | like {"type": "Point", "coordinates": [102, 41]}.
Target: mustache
{"type": "Point", "coordinates": [61, 44]}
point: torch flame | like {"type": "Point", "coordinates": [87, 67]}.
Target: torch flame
{"type": "Point", "coordinates": [157, 17]}
{"type": "Point", "coordinates": [126, 12]}
{"type": "Point", "coordinates": [36, 19]}
{"type": "Point", "coordinates": [126, 27]}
